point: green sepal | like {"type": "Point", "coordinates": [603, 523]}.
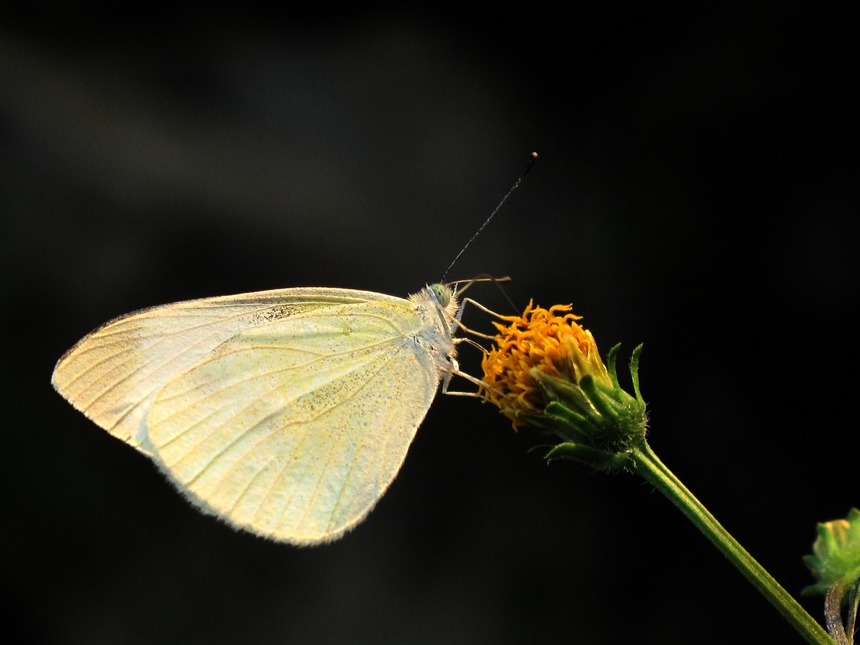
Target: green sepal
{"type": "Point", "coordinates": [585, 454]}
{"type": "Point", "coordinates": [569, 424]}
{"type": "Point", "coordinates": [611, 359]}
{"type": "Point", "coordinates": [634, 372]}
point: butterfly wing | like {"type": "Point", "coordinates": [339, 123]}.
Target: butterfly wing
{"type": "Point", "coordinates": [294, 430]}
{"type": "Point", "coordinates": [286, 412]}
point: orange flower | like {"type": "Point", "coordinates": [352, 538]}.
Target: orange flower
{"type": "Point", "coordinates": [549, 341]}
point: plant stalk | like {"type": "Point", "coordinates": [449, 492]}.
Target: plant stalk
{"type": "Point", "coordinates": [646, 464]}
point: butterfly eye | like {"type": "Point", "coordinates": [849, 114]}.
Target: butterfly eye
{"type": "Point", "coordinates": [442, 294]}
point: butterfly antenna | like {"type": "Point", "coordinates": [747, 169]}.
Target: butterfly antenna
{"type": "Point", "coordinates": [516, 185]}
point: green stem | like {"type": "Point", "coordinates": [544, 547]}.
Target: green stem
{"type": "Point", "coordinates": [646, 464]}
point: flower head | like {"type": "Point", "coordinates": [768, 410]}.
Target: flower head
{"type": "Point", "coordinates": [550, 341]}
{"type": "Point", "coordinates": [836, 552]}
{"type": "Point", "coordinates": [545, 370]}
{"type": "Point", "coordinates": [835, 564]}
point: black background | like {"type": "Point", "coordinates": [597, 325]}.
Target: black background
{"type": "Point", "coordinates": [696, 191]}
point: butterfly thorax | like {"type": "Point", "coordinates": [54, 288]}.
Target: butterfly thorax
{"type": "Point", "coordinates": [437, 306]}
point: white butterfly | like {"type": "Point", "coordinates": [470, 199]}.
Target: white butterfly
{"type": "Point", "coordinates": [287, 413]}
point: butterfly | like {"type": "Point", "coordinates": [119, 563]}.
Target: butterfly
{"type": "Point", "coordinates": [286, 413]}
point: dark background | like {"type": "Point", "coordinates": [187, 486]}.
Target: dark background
{"type": "Point", "coordinates": [696, 191]}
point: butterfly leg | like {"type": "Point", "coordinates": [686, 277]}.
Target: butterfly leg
{"type": "Point", "coordinates": [455, 371]}
{"type": "Point", "coordinates": [477, 304]}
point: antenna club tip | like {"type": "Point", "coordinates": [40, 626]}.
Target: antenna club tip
{"type": "Point", "coordinates": [532, 158]}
